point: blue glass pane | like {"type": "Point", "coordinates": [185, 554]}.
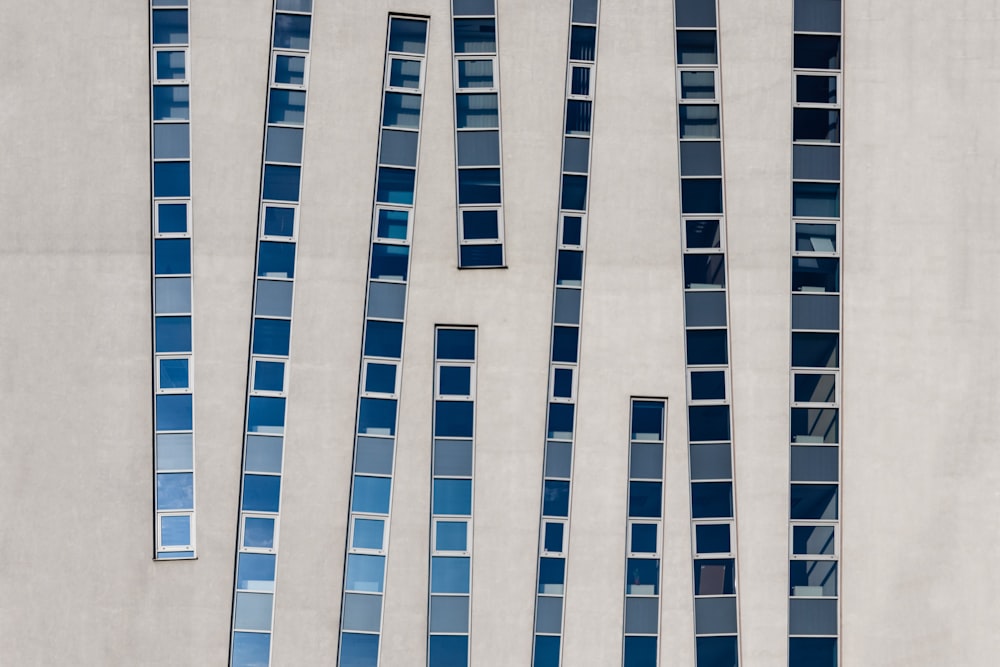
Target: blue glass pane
{"type": "Point", "coordinates": [290, 70]}
{"type": "Point", "coordinates": [561, 420]}
{"type": "Point", "coordinates": [392, 224]}
{"type": "Point", "coordinates": [703, 234]}
{"type": "Point", "coordinates": [642, 576]}
{"type": "Point", "coordinates": [582, 43]}
{"type": "Point", "coordinates": [553, 539]}
{"type": "Point", "coordinates": [451, 536]}
{"type": "Point", "coordinates": [449, 575]}
{"type": "Point", "coordinates": [279, 221]}
{"type": "Point", "coordinates": [569, 269]}
{"type": "Point", "coordinates": [453, 418]}
{"type": "Point", "coordinates": [395, 186]}
{"type": "Point", "coordinates": [263, 453]}
{"type": "Point", "coordinates": [817, 52]}
{"type": "Point", "coordinates": [564, 343]}
{"type": "Point", "coordinates": [401, 110]}
{"type": "Point", "coordinates": [696, 47]}
{"type": "Point", "coordinates": [174, 412]}
{"type": "Point", "coordinates": [294, 5]}
{"type": "Point", "coordinates": [551, 575]}
{"type": "Point", "coordinates": [365, 573]}
{"type": "Point", "coordinates": [380, 378]}
{"type": "Point", "coordinates": [266, 415]}
{"type": "Point", "coordinates": [477, 111]}
{"type": "Point", "coordinates": [708, 422]}
{"type": "Point", "coordinates": [471, 256]}
{"type": "Point", "coordinates": [707, 347]}
{"type": "Point", "coordinates": [172, 179]}
{"type": "Point", "coordinates": [712, 539]}
{"type": "Point", "coordinates": [473, 7]}
{"type": "Point", "coordinates": [574, 193]}
{"type": "Point", "coordinates": [175, 531]}
{"type": "Point", "coordinates": [812, 578]}
{"type": "Point", "coordinates": [172, 296]}
{"type": "Point", "coordinates": [812, 652]}
{"type": "Point", "coordinates": [478, 149]}
{"type": "Point", "coordinates": [171, 218]}
{"type": "Point", "coordinates": [169, 555]}
{"type": "Point", "coordinates": [174, 374]}
{"type": "Point", "coordinates": [479, 186]}
{"type": "Point", "coordinates": [170, 102]}
{"type": "Point", "coordinates": [170, 26]}
{"type": "Point", "coordinates": [174, 451]}
{"type": "Point", "coordinates": [398, 148]}
{"type": "Point", "coordinates": [173, 334]}
{"type": "Point", "coordinates": [562, 383]}
{"type": "Point", "coordinates": [546, 651]}
{"type": "Point", "coordinates": [453, 497]}
{"type": "Point", "coordinates": [640, 652]}
{"type": "Point", "coordinates": [645, 499]}
{"type": "Point", "coordinates": [172, 256]}
{"type": "Point", "coordinates": [647, 420]}
{"type": "Point", "coordinates": [810, 124]}
{"type": "Point", "coordinates": [455, 380]}
{"type": "Point", "coordinates": [407, 35]}
{"type": "Point", "coordinates": [284, 144]}
{"type": "Point", "coordinates": [276, 260]}
{"type": "Point", "coordinates": [714, 577]}
{"type": "Point", "coordinates": [390, 262]}
{"type": "Point", "coordinates": [383, 339]}
{"type": "Point", "coordinates": [816, 200]}
{"type": "Point", "coordinates": [281, 183]}
{"type": "Point", "coordinates": [475, 35]}
{"type": "Point", "coordinates": [478, 225]}
{"type": "Point", "coordinates": [708, 385]}
{"type": "Point", "coordinates": [701, 195]}
{"type": "Point", "coordinates": [644, 538]}
{"type": "Point", "coordinates": [358, 650]}
{"type": "Point", "coordinates": [269, 376]}
{"type": "Point", "coordinates": [371, 494]}
{"type": "Point", "coordinates": [578, 115]}
{"type": "Point", "coordinates": [711, 500]}
{"type": "Point", "coordinates": [584, 11]}
{"type": "Point", "coordinates": [251, 649]}
{"type": "Point", "coordinates": [475, 73]}
{"type": "Point", "coordinates": [287, 106]}
{"type": "Point", "coordinates": [271, 336]}
{"type": "Point", "coordinates": [368, 534]}
{"type": "Point", "coordinates": [377, 416]}
{"type": "Point", "coordinates": [258, 532]}
{"type": "Point", "coordinates": [699, 121]}
{"type": "Point", "coordinates": [814, 501]}
{"type": "Point", "coordinates": [716, 652]}
{"type": "Point", "coordinates": [555, 498]}
{"type": "Point", "coordinates": [171, 141]}
{"type": "Point", "coordinates": [255, 572]}
{"type": "Point", "coordinates": [448, 651]}
{"type": "Point", "coordinates": [261, 493]}
{"type": "Point", "coordinates": [291, 31]}
{"type": "Point", "coordinates": [175, 491]}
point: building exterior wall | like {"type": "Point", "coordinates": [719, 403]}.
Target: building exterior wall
{"type": "Point", "coordinates": [920, 375]}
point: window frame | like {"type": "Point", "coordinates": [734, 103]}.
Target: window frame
{"type": "Point", "coordinates": [495, 88]}
{"type": "Point", "coordinates": [179, 48]}
{"type": "Point", "coordinates": [581, 64]}
{"type": "Point", "coordinates": [711, 369]}
{"type": "Point", "coordinates": [174, 390]}
{"type": "Point", "coordinates": [499, 240]}
{"type": "Point", "coordinates": [471, 365]}
{"type": "Point", "coordinates": [294, 54]}
{"type": "Point", "coordinates": [649, 521]}
{"type": "Point", "coordinates": [375, 238]}
{"type": "Point", "coordinates": [583, 231]}
{"type": "Point", "coordinates": [553, 367]}
{"type": "Point", "coordinates": [836, 74]}
{"type": "Point", "coordinates": [160, 548]}
{"type": "Point", "coordinates": [835, 222]}
{"type": "Point", "coordinates": [366, 362]}
{"type": "Point", "coordinates": [542, 551]}
{"type": "Point", "coordinates": [253, 374]}
{"type": "Point", "coordinates": [710, 555]}
{"type": "Point", "coordinates": [389, 88]}
{"type": "Point", "coordinates": [436, 519]}
{"type": "Point", "coordinates": [258, 515]}
{"type": "Point", "coordinates": [835, 372]}
{"type": "Point", "coordinates": [716, 97]}
{"type": "Point", "coordinates": [831, 523]}
{"type": "Point", "coordinates": [721, 218]}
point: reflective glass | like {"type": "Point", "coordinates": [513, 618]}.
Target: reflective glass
{"type": "Point", "coordinates": [701, 158]}
{"type": "Point", "coordinates": [170, 26]}
{"type": "Point", "coordinates": [567, 306]}
{"type": "Point", "coordinates": [454, 418]}
{"type": "Point", "coordinates": [480, 225]}
{"type": "Point", "coordinates": [646, 461]}
{"type": "Point", "coordinates": [451, 536]}
{"type": "Point", "coordinates": [362, 612]}
{"type": "Point", "coordinates": [475, 35]}
{"type": "Point", "coordinates": [173, 373]}
{"type": "Point", "coordinates": [374, 456]}
{"type": "Point", "coordinates": [395, 186]}
{"type": "Point", "coordinates": [171, 179]}
{"type": "Point", "coordinates": [698, 85]}
{"type": "Point", "coordinates": [576, 157]}
{"type": "Point", "coordinates": [291, 31]}
{"type": "Point", "coordinates": [284, 144]}
{"type": "Point", "coordinates": [371, 494]}
{"type": "Point", "coordinates": [473, 7]}
{"type": "Point", "coordinates": [456, 344]}
{"type": "Point", "coordinates": [407, 35]}
{"type": "Point", "coordinates": [261, 493]}
{"type": "Point", "coordinates": [390, 262]}
{"type": "Point", "coordinates": [173, 334]}
{"type": "Point", "coordinates": [453, 497]}
{"type": "Point", "coordinates": [172, 295]}
{"type": "Point", "coordinates": [816, 125]}
{"type": "Point", "coordinates": [276, 260]}
{"type": "Point", "coordinates": [552, 539]}
{"type": "Point", "coordinates": [448, 651]}
{"type": "Point", "coordinates": [478, 149]}
{"type": "Point", "coordinates": [815, 464]}
{"type": "Point", "coordinates": [365, 573]}
{"type": "Point", "coordinates": [643, 538]}
{"type": "Point", "coordinates": [817, 15]}
{"type": "Point", "coordinates": [386, 300]}
{"type": "Point", "coordinates": [645, 499]}
{"type": "Point", "coordinates": [383, 339]}
{"type": "Point", "coordinates": [171, 218]}
{"type": "Point", "coordinates": [251, 649]}
{"type": "Point", "coordinates": [712, 500]}
{"type": "Point", "coordinates": [584, 11]}
{"type": "Point", "coordinates": [479, 186]}
{"type": "Point", "coordinates": [258, 532]}
{"type": "Point", "coordinates": [546, 651]}
{"type": "Point", "coordinates": [813, 540]}
{"type": "Point", "coordinates": [480, 256]}
{"type": "Point", "coordinates": [578, 116]}
{"type": "Point", "coordinates": [263, 454]}
{"type": "Point", "coordinates": [647, 420]}
{"type": "Point", "coordinates": [449, 574]}
{"type": "Point", "coordinates": [812, 617]}
{"type": "Point", "coordinates": [294, 5]}
{"type": "Point", "coordinates": [449, 613]}
{"type": "Point", "coordinates": [273, 299]}
{"type": "Point", "coordinates": [712, 538]}
{"type": "Point", "coordinates": [716, 651]}
{"type": "Point", "coordinates": [701, 195]}
{"type": "Point", "coordinates": [377, 416]}
{"type": "Point", "coordinates": [400, 110]}
{"type": "Point", "coordinates": [815, 162]}
{"type": "Point", "coordinates": [271, 336]}
{"type": "Point", "coordinates": [392, 224]}
{"type": "Point", "coordinates": [404, 73]}
{"type": "Point", "coordinates": [565, 343]}
{"type": "Point", "coordinates": [290, 70]}
{"type": "Point", "coordinates": [174, 412]}
{"type": "Point", "coordinates": [813, 578]}
{"type": "Point", "coordinates": [174, 451]}
{"type": "Point", "coordinates": [255, 572]}
{"type": "Point", "coordinates": [816, 200]}
{"type": "Point", "coordinates": [640, 652]}
{"type": "Point", "coordinates": [696, 47]}
{"type": "Point", "coordinates": [281, 183]}
{"type": "Point", "coordinates": [714, 577]}
{"type": "Point", "coordinates": [641, 615]}
{"type": "Point", "coordinates": [703, 234]}
{"type": "Point", "coordinates": [708, 422]}
{"type": "Point", "coordinates": [574, 193]}
{"type": "Point", "coordinates": [287, 106]}
{"type": "Point", "coordinates": [453, 458]}
{"type": "Point", "coordinates": [175, 491]}
{"type": "Point", "coordinates": [368, 534]}
{"type": "Point", "coordinates": [266, 415]}
{"type": "Point", "coordinates": [555, 498]}
{"type": "Point", "coordinates": [711, 461]}
{"type": "Point", "coordinates": [269, 375]}
{"type": "Point", "coordinates": [477, 111]}
{"type": "Point", "coordinates": [814, 501]}
{"type": "Point", "coordinates": [398, 148]}
{"type": "Point", "coordinates": [562, 382]}
{"type": "Point", "coordinates": [580, 81]}
{"type": "Point", "coordinates": [815, 274]}
{"type": "Point", "coordinates": [171, 256]}
{"type": "Point", "coordinates": [815, 425]}
{"type": "Point", "coordinates": [642, 576]}
{"type": "Point", "coordinates": [560, 422]}
{"type": "Point", "coordinates": [380, 378]}
{"type": "Point", "coordinates": [707, 347]}
{"type": "Point", "coordinates": [279, 221]}
{"type": "Point", "coordinates": [357, 650]}
{"type": "Point", "coordinates": [694, 14]}
{"type": "Point", "coordinates": [708, 385]}
{"type": "Point", "coordinates": [548, 614]}
{"type": "Point", "coordinates": [170, 102]}
{"type": "Point", "coordinates": [582, 43]}
{"type": "Point", "coordinates": [699, 121]}
{"type": "Point", "coordinates": [812, 652]}
{"type": "Point", "coordinates": [455, 380]}
{"type": "Point", "coordinates": [171, 141]}
{"type": "Point", "coordinates": [551, 575]}
{"type": "Point", "coordinates": [817, 52]}
{"type": "Point", "coordinates": [475, 73]}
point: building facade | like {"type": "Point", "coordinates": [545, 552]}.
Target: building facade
{"type": "Point", "coordinates": [462, 332]}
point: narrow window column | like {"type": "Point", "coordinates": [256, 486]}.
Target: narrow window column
{"type": "Point", "coordinates": [706, 322]}
{"type": "Point", "coordinates": [382, 346]}
{"type": "Point", "coordinates": [564, 357]}
{"type": "Point", "coordinates": [814, 421]}
{"type": "Point", "coordinates": [267, 385]}
{"type": "Point", "coordinates": [452, 467]}
{"type": "Point", "coordinates": [173, 351]}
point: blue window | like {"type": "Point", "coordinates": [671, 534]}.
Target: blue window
{"type": "Point", "coordinates": [712, 538]}
{"type": "Point", "coordinates": [572, 230]}
{"type": "Point", "coordinates": [357, 650]}
{"type": "Point", "coordinates": [171, 179]}
{"type": "Point", "coordinates": [699, 121]}
{"type": "Point", "coordinates": [708, 385]}
{"type": "Point", "coordinates": [705, 271]}
{"type": "Point", "coordinates": [812, 577]}
{"type": "Point", "coordinates": [576, 156]}
{"type": "Point", "coordinates": [174, 374]}
{"type": "Point", "coordinates": [546, 651]}
{"type": "Point", "coordinates": [276, 260]}
{"type": "Point", "coordinates": [455, 380]}
{"type": "Point", "coordinates": [453, 458]}
{"type": "Point", "coordinates": [569, 268]}
{"type": "Point", "coordinates": [170, 102]}
{"type": "Point", "coordinates": [365, 573]}
{"type": "Point", "coordinates": [273, 298]}
{"type": "Point", "coordinates": [815, 350]}
{"type": "Point", "coordinates": [279, 221]}
{"type": "Point", "coordinates": [812, 652]}
{"type": "Point", "coordinates": [701, 195]}
{"type": "Point", "coordinates": [568, 302]}
{"type": "Point", "coordinates": [174, 451]}
{"type": "Point", "coordinates": [479, 186]}
{"type": "Point", "coordinates": [290, 70]}
{"type": "Point", "coordinates": [371, 494]}
{"type": "Point", "coordinates": [383, 339]}
{"type": "Point", "coordinates": [171, 218]}
{"type": "Point", "coordinates": [390, 262]}
{"type": "Point", "coordinates": [395, 186]}
{"type": "Point", "coordinates": [553, 539]}
{"type": "Point", "coordinates": [175, 491]}
{"type": "Point", "coordinates": [453, 497]}
{"type": "Point", "coordinates": [817, 52]}
{"type": "Point", "coordinates": [281, 183]}
{"type": "Point", "coordinates": [251, 649]}
{"type": "Point", "coordinates": [451, 536]}
{"type": "Point", "coordinates": [172, 256]}
{"type": "Point", "coordinates": [261, 493]}
{"type": "Point", "coordinates": [449, 651]}
{"type": "Point", "coordinates": [574, 192]}
{"type": "Point", "coordinates": [294, 5]}
{"type": "Point", "coordinates": [716, 651]}
{"type": "Point", "coordinates": [480, 255]}
{"type": "Point", "coordinates": [407, 36]}
{"type": "Point", "coordinates": [551, 574]}
{"type": "Point", "coordinates": [368, 534]}
{"type": "Point", "coordinates": [380, 378]}
{"type": "Point", "coordinates": [269, 376]}
{"type": "Point", "coordinates": [266, 415]}
{"type": "Point", "coordinates": [392, 224]}
{"type": "Point", "coordinates": [453, 419]}
{"type": "Point", "coordinates": [478, 149]}
{"type": "Point", "coordinates": [477, 111]}
{"type": "Point", "coordinates": [170, 26]}
{"type": "Point", "coordinates": [708, 422]}
{"type": "Point", "coordinates": [404, 74]}
{"type": "Point", "coordinates": [562, 383]}
{"type": "Point", "coordinates": [174, 412]}
{"type": "Point", "coordinates": [172, 295]}
{"type": "Point", "coordinates": [815, 425]}
{"type": "Point", "coordinates": [707, 347]}
{"type": "Point", "coordinates": [287, 106]}
{"type": "Point", "coordinates": [475, 35]}
{"type": "Point", "coordinates": [263, 453]}
{"type": "Point", "coordinates": [271, 336]}
{"type": "Point", "coordinates": [171, 141]}
{"type": "Point", "coordinates": [374, 455]}
{"type": "Point", "coordinates": [647, 420]}
{"type": "Point", "coordinates": [816, 200]}
{"type": "Point", "coordinates": [475, 73]}
{"type": "Point", "coordinates": [703, 234]}
{"type": "Point", "coordinates": [564, 344]}
{"type": "Point", "coordinates": [712, 500]}
{"type": "Point", "coordinates": [258, 532]}
{"type": "Point", "coordinates": [173, 334]}
{"type": "Point", "coordinates": [555, 498]}
{"type": "Point", "coordinates": [291, 31]}
{"type": "Point", "coordinates": [449, 574]}
{"type": "Point", "coordinates": [284, 144]}
{"type": "Point", "coordinates": [582, 43]}
{"type": "Point", "coordinates": [561, 420]}
{"type": "Point", "coordinates": [810, 124]}
{"type": "Point", "coordinates": [170, 65]}
{"type": "Point", "coordinates": [696, 47]}
{"type": "Point", "coordinates": [642, 572]}
{"type": "Point", "coordinates": [643, 538]}
{"type": "Point", "coordinates": [645, 499]}
{"type": "Point", "coordinates": [255, 572]}
{"type": "Point", "coordinates": [377, 416]}
{"type": "Point", "coordinates": [813, 540]}
{"type": "Point", "coordinates": [711, 461]}
{"type": "Point", "coordinates": [814, 501]}
{"type": "Point", "coordinates": [578, 115]}
{"type": "Point", "coordinates": [401, 110]}
{"type": "Point", "coordinates": [640, 652]}
{"type": "Point", "coordinates": [175, 531]}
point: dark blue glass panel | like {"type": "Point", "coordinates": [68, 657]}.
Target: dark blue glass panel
{"type": "Point", "coordinates": [392, 224]}
{"type": "Point", "coordinates": [812, 652]}
{"type": "Point", "coordinates": [258, 532]}
{"type": "Point", "coordinates": [551, 574]}
{"type": "Point", "coordinates": [705, 271]}
{"type": "Point", "coordinates": [584, 11]}
{"type": "Point", "coordinates": [271, 336]}
{"type": "Point", "coordinates": [643, 538]}
{"type": "Point", "coordinates": [562, 383]}
{"type": "Point", "coordinates": [569, 268]}
{"type": "Point", "coordinates": [815, 425]}
{"type": "Point", "coordinates": [580, 81]}
{"type": "Point", "coordinates": [572, 231]}
{"type": "Point", "coordinates": [371, 494]}
{"type": "Point", "coordinates": [479, 186]}
{"type": "Point", "coordinates": [707, 386]}
{"type": "Point", "coordinates": [473, 7]}
{"type": "Point", "coordinates": [459, 344]}
{"type": "Point", "coordinates": [815, 350]}
{"type": "Point", "coordinates": [287, 106]}
{"type": "Point", "coordinates": [582, 43]}
{"type": "Point", "coordinates": [254, 568]}
{"type": "Point", "coordinates": [383, 339]}
{"type": "Point", "coordinates": [712, 539]}
{"type": "Point", "coordinates": [175, 491]}
{"type": "Point", "coordinates": [475, 35]}
{"type": "Point", "coordinates": [716, 652]}
{"type": "Point", "coordinates": [279, 221]}
{"type": "Point", "coordinates": [261, 493]}
{"type": "Point", "coordinates": [703, 234]}
{"type": "Point", "coordinates": [276, 260]}
{"type": "Point", "coordinates": [172, 179]}
{"type": "Point", "coordinates": [643, 572]}
{"type": "Point", "coordinates": [817, 52]}
{"type": "Point", "coordinates": [453, 418]}
{"type": "Point", "coordinates": [170, 26]}
{"type": "Point", "coordinates": [480, 255]}
{"type": "Point", "coordinates": [290, 70]}
{"type": "Point", "coordinates": [813, 540]}
{"type": "Point", "coordinates": [449, 575]}
{"type": "Point", "coordinates": [401, 110]}
{"type": "Point", "coordinates": [251, 649]}
{"type": "Point", "coordinates": [358, 650]}
{"type": "Point", "coordinates": [645, 499]}
{"type": "Point", "coordinates": [174, 373]}
{"type": "Point", "coordinates": [707, 346]}
{"type": "Point", "coordinates": [647, 420]}
{"type": "Point", "coordinates": [811, 575]}
{"type": "Point", "coordinates": [390, 262]}
{"type": "Point", "coordinates": [377, 416]}
{"type": "Point", "coordinates": [708, 422]}
{"type": "Point", "coordinates": [455, 381]}
{"type": "Point", "coordinates": [281, 183]}
{"type": "Point", "coordinates": [381, 378]}
{"type": "Point", "coordinates": [640, 652]}
{"type": "Point", "coordinates": [555, 498]}
{"type": "Point", "coordinates": [453, 497]}
{"type": "Point", "coordinates": [479, 110]}
{"type": "Point", "coordinates": [395, 186]}
{"type": "Point", "coordinates": [816, 200]}
{"type": "Point", "coordinates": [172, 256]}
{"type": "Point", "coordinates": [546, 651]}
{"type": "Point", "coordinates": [171, 218]}
{"type": "Point", "coordinates": [578, 114]}
{"type": "Point", "coordinates": [574, 193]}
{"type": "Point", "coordinates": [816, 125]}
{"type": "Point", "coordinates": [294, 5]}
{"type": "Point", "coordinates": [564, 344]}
{"type": "Point", "coordinates": [171, 103]}
{"type": "Point", "coordinates": [702, 195]}
{"type": "Point", "coordinates": [407, 35]}
{"type": "Point", "coordinates": [714, 577]}
{"type": "Point", "coordinates": [269, 376]}
{"type": "Point", "coordinates": [266, 414]}
{"type": "Point", "coordinates": [561, 420]}
{"type": "Point", "coordinates": [554, 536]}
{"type": "Point", "coordinates": [814, 501]}
{"type": "Point", "coordinates": [291, 31]}
{"type": "Point", "coordinates": [712, 500]}
{"type": "Point", "coordinates": [448, 651]}
{"type": "Point", "coordinates": [696, 47]}
{"type": "Point", "coordinates": [174, 412]}
{"type": "Point", "coordinates": [699, 121]}
{"type": "Point", "coordinates": [173, 334]}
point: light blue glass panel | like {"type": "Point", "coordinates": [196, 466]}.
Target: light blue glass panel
{"type": "Point", "coordinates": [453, 497]}
{"type": "Point", "coordinates": [368, 534]}
{"type": "Point", "coordinates": [174, 451]}
{"type": "Point", "coordinates": [475, 73]}
{"type": "Point", "coordinates": [171, 141]}
{"type": "Point", "coordinates": [172, 296]}
{"type": "Point", "coordinates": [386, 300]}
{"type": "Point", "coordinates": [449, 574]}
{"type": "Point", "coordinates": [253, 611]}
{"type": "Point", "coordinates": [365, 573]}
{"type": "Point", "coordinates": [451, 536]}
{"type": "Point", "coordinates": [251, 649]}
{"type": "Point", "coordinates": [175, 531]}
{"type": "Point", "coordinates": [357, 650]}
{"type": "Point", "coordinates": [174, 412]}
{"type": "Point", "coordinates": [362, 612]}
{"type": "Point", "coordinates": [284, 144]}
{"type": "Point", "coordinates": [371, 494]}
{"type": "Point", "coordinates": [263, 454]}
{"type": "Point", "coordinates": [291, 31]}
{"type": "Point", "coordinates": [258, 533]}
{"type": "Point", "coordinates": [170, 26]}
{"type": "Point", "coordinates": [273, 299]}
{"type": "Point", "coordinates": [175, 491]}
{"type": "Point", "coordinates": [449, 613]}
{"type": "Point", "coordinates": [255, 572]}
{"type": "Point", "coordinates": [548, 615]}
{"type": "Point", "coordinates": [477, 111]}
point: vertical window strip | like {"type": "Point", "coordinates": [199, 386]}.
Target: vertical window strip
{"type": "Point", "coordinates": [706, 309]}
{"type": "Point", "coordinates": [171, 215]}
{"type": "Point", "coordinates": [564, 367]}
{"type": "Point", "coordinates": [478, 153]}
{"type": "Point", "coordinates": [644, 533]}
{"type": "Point", "coordinates": [382, 346]}
{"type": "Point", "coordinates": [267, 386]}
{"type": "Point", "coordinates": [452, 494]}
{"type": "Point", "coordinates": [816, 307]}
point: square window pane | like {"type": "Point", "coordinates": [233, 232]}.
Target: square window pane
{"type": "Point", "coordinates": [175, 491]}
{"type": "Point", "coordinates": [699, 121]}
{"type": "Point", "coordinates": [478, 149]}
{"type": "Point", "coordinates": [451, 536]}
{"type": "Point", "coordinates": [815, 425]}
{"type": "Point", "coordinates": [812, 652]}
{"type": "Point", "coordinates": [395, 186]}
{"type": "Point", "coordinates": [290, 70]}
{"type": "Point", "coordinates": [287, 106]}
{"type": "Point", "coordinates": [548, 615]}
{"type": "Point", "coordinates": [407, 35]}
{"type": "Point", "coordinates": [712, 538]}
{"type": "Point", "coordinates": [170, 102]}
{"type": "Point", "coordinates": [251, 649]}
{"type": "Point", "coordinates": [707, 347]}
{"type": "Point", "coordinates": [377, 416]}
{"type": "Point", "coordinates": [365, 573]}
{"type": "Point", "coordinates": [171, 218]}
{"type": "Point", "coordinates": [715, 616]}
{"type": "Point", "coordinates": [551, 575]}
{"type": "Point", "coordinates": [703, 234]}
{"type": "Point", "coordinates": [172, 256]}
{"type": "Point", "coordinates": [475, 35]}
{"type": "Point", "coordinates": [386, 300]}
{"type": "Point", "coordinates": [701, 158]}
{"type": "Point", "coordinates": [574, 193]}
{"type": "Point", "coordinates": [642, 576]}
{"type": "Point", "coordinates": [478, 225]}
{"type": "Point", "coordinates": [552, 539]}
{"type": "Point", "coordinates": [357, 650]}
{"type": "Point", "coordinates": [173, 373]}
{"type": "Point", "coordinates": [172, 295]}
{"type": "Point", "coordinates": [696, 47]}
{"type": "Point", "coordinates": [399, 110]}
{"type": "Point", "coordinates": [582, 43]}
{"type": "Point", "coordinates": [374, 455]}
{"type": "Point", "coordinates": [712, 500]}
{"type": "Point", "coordinates": [398, 148]}
{"type": "Point", "coordinates": [174, 451]}
{"type": "Point", "coordinates": [708, 422]}
{"type": "Point", "coordinates": [371, 494]}
{"type": "Point", "coordinates": [279, 221]}
{"type": "Point", "coordinates": [815, 350]}
{"type": "Point", "coordinates": [175, 531]}
{"type": "Point", "coordinates": [475, 73]}
{"type": "Point", "coordinates": [646, 461]}
{"type": "Point", "coordinates": [269, 375]}
{"type": "Point", "coordinates": [255, 572]}
{"type": "Point", "coordinates": [708, 385]}
{"type": "Point", "coordinates": [555, 498]}
{"type": "Point", "coordinates": [271, 336]}
{"type": "Point", "coordinates": [645, 499]}
{"type": "Point", "coordinates": [263, 453]}
{"type": "Point", "coordinates": [266, 415]}
{"type": "Point", "coordinates": [716, 651]}
{"type": "Point", "coordinates": [640, 652]}
{"type": "Point", "coordinates": [362, 612]}
{"type": "Point", "coordinates": [578, 116]}
{"type": "Point", "coordinates": [449, 613]}
{"type": "Point", "coordinates": [284, 144]}
{"type": "Point", "coordinates": [455, 380]}
{"type": "Point", "coordinates": [814, 501]}
{"type": "Point", "coordinates": [817, 52]}
{"type": "Point", "coordinates": [281, 183]}
{"type": "Point", "coordinates": [380, 378]}
{"type": "Point", "coordinates": [817, 15]}
{"type": "Point", "coordinates": [812, 617]}
{"type": "Point", "coordinates": [694, 14]}
{"type": "Point", "coordinates": [173, 334]}
{"type": "Point", "coordinates": [711, 461]}
{"type": "Point", "coordinates": [642, 615]}
{"type": "Point", "coordinates": [452, 497]}
{"type": "Point", "coordinates": [558, 459]}
{"type": "Point", "coordinates": [562, 383]}
{"type": "Point", "coordinates": [368, 534]}
{"type": "Point", "coordinates": [273, 299]}
{"type": "Point", "coordinates": [449, 574]}
{"type": "Point", "coordinates": [383, 339]}
{"type": "Point", "coordinates": [171, 179]}
{"type": "Point", "coordinates": [261, 493]}
{"type": "Point", "coordinates": [702, 195]}
{"type": "Point", "coordinates": [815, 464]}
{"type": "Point", "coordinates": [453, 458]}
{"type": "Point", "coordinates": [643, 538]}
{"type": "Point", "coordinates": [171, 141]}
{"type": "Point", "coordinates": [170, 26]}
{"type": "Point", "coordinates": [392, 224]}
{"type": "Point", "coordinates": [472, 256]}
{"type": "Point", "coordinates": [813, 540]}
{"type": "Point", "coordinates": [253, 611]}
{"type": "Point", "coordinates": [390, 262]}
{"type": "Point", "coordinates": [404, 73]}
{"type": "Point", "coordinates": [171, 65]}
{"type": "Point", "coordinates": [448, 651]}
{"type": "Point", "coordinates": [291, 31]}
{"type": "Point", "coordinates": [258, 532]}
{"type": "Point", "coordinates": [698, 85]}
{"type": "Point", "coordinates": [174, 412]}
{"type": "Point", "coordinates": [714, 577]}
{"type": "Point", "coordinates": [576, 155]}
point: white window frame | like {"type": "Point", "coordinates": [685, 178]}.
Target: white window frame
{"type": "Point", "coordinates": [295, 221]}
{"type": "Point", "coordinates": [175, 390]}
{"type": "Point", "coordinates": [160, 548]}
{"type": "Point", "coordinates": [630, 553]}
{"type": "Point", "coordinates": [468, 536]}
{"type": "Point", "coordinates": [695, 100]}
{"type": "Point", "coordinates": [156, 218]}
{"type": "Point", "coordinates": [385, 534]}
{"type": "Point", "coordinates": [589, 95]}
{"type": "Point", "coordinates": [187, 65]}
{"type": "Point", "coordinates": [816, 221]}
{"type": "Point", "coordinates": [583, 231]}
{"type": "Point", "coordinates": [473, 89]}
{"type": "Point", "coordinates": [253, 375]}
{"type": "Point", "coordinates": [389, 88]}
{"type": "Point", "coordinates": [709, 369]}
{"type": "Point", "coordinates": [260, 550]}
{"type": "Point", "coordinates": [291, 54]}
{"type": "Point", "coordinates": [817, 105]}
{"type": "Point", "coordinates": [713, 554]}
{"type": "Point", "coordinates": [476, 207]}
{"type": "Point", "coordinates": [835, 372]}
{"type": "Point", "coordinates": [703, 251]}
{"type": "Point", "coordinates": [542, 551]}
{"type": "Point", "coordinates": [552, 383]}
{"type": "Point", "coordinates": [814, 524]}
{"type": "Point", "coordinates": [383, 239]}
{"type": "Point", "coordinates": [367, 361]}
{"type": "Point", "coordinates": [438, 396]}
